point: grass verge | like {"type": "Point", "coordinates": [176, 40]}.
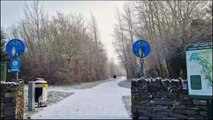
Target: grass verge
{"type": "Point", "coordinates": [127, 103]}
{"type": "Point", "coordinates": [125, 83]}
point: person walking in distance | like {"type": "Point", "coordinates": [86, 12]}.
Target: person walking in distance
{"type": "Point", "coordinates": [114, 76]}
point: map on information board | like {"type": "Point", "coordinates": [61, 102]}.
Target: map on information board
{"type": "Point", "coordinates": [199, 69]}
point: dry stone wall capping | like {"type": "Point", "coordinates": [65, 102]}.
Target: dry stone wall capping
{"type": "Point", "coordinates": [164, 99]}
{"type": "Point", "coordinates": [12, 100]}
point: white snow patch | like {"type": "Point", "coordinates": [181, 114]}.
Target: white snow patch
{"type": "Point", "coordinates": [101, 102]}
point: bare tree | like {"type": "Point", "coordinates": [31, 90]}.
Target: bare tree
{"type": "Point", "coordinates": [167, 25]}
{"type": "Point", "coordinates": [60, 49]}
{"type": "Point", "coordinates": [120, 42]}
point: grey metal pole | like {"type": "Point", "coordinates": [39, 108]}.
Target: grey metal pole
{"type": "Point", "coordinates": [142, 66]}
{"type": "Point", "coordinates": [31, 95]}
{"type": "Point", "coordinates": [16, 76]}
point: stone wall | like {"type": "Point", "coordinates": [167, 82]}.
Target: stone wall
{"type": "Point", "coordinates": [12, 100]}
{"type": "Point", "coordinates": [164, 99]}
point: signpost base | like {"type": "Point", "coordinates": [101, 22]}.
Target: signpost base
{"type": "Point", "coordinates": [209, 108]}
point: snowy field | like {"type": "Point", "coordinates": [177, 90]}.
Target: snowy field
{"type": "Point", "coordinates": [100, 100]}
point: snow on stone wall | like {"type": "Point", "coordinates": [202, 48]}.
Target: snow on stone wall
{"type": "Point", "coordinates": [164, 99]}
{"type": "Point", "coordinates": [12, 100]}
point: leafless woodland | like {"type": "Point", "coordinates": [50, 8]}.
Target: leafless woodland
{"type": "Point", "coordinates": [62, 49]}
{"type": "Point", "coordinates": [168, 26]}
{"type": "Point", "coordinates": [67, 48]}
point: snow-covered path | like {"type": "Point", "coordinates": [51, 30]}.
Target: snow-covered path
{"type": "Point", "coordinates": [101, 102]}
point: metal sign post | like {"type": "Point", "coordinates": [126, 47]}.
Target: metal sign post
{"type": "Point", "coordinates": [15, 48]}
{"type": "Point", "coordinates": [16, 73]}
{"type": "Point", "coordinates": [141, 49]}
{"type": "Point", "coordinates": [31, 95]}
{"type": "Point", "coordinates": [16, 76]}
{"type": "Point", "coordinates": [142, 66]}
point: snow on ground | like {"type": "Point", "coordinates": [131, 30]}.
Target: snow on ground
{"type": "Point", "coordinates": [103, 101]}
{"type": "Point", "coordinates": [76, 87]}
{"type": "Point", "coordinates": [61, 91]}
{"type": "Point", "coordinates": [50, 101]}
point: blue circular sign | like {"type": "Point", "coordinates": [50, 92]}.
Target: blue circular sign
{"type": "Point", "coordinates": [15, 47]}
{"type": "Point", "coordinates": [141, 48]}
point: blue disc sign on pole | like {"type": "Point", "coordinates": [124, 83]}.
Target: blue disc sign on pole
{"type": "Point", "coordinates": [15, 47]}
{"type": "Point", "coordinates": [141, 48]}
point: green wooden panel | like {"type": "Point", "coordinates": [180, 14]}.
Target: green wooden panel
{"type": "Point", "coordinates": [3, 71]}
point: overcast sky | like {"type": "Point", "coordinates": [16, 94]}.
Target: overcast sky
{"type": "Point", "coordinates": [104, 11]}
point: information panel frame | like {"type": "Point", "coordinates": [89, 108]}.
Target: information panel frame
{"type": "Point", "coordinates": [199, 70]}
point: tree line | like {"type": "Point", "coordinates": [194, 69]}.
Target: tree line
{"type": "Point", "coordinates": [63, 49]}
{"type": "Point", "coordinates": [168, 26]}
{"type": "Point", "coordinates": [67, 48]}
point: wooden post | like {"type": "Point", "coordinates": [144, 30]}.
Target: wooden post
{"type": "Point", "coordinates": [3, 71]}
{"type": "Point", "coordinates": [31, 95]}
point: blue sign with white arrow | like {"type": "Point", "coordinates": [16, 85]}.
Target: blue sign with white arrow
{"type": "Point", "coordinates": [15, 47]}
{"type": "Point", "coordinates": [15, 64]}
{"type": "Point", "coordinates": [141, 48]}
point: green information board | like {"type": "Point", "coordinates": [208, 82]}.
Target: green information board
{"type": "Point", "coordinates": [199, 70]}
